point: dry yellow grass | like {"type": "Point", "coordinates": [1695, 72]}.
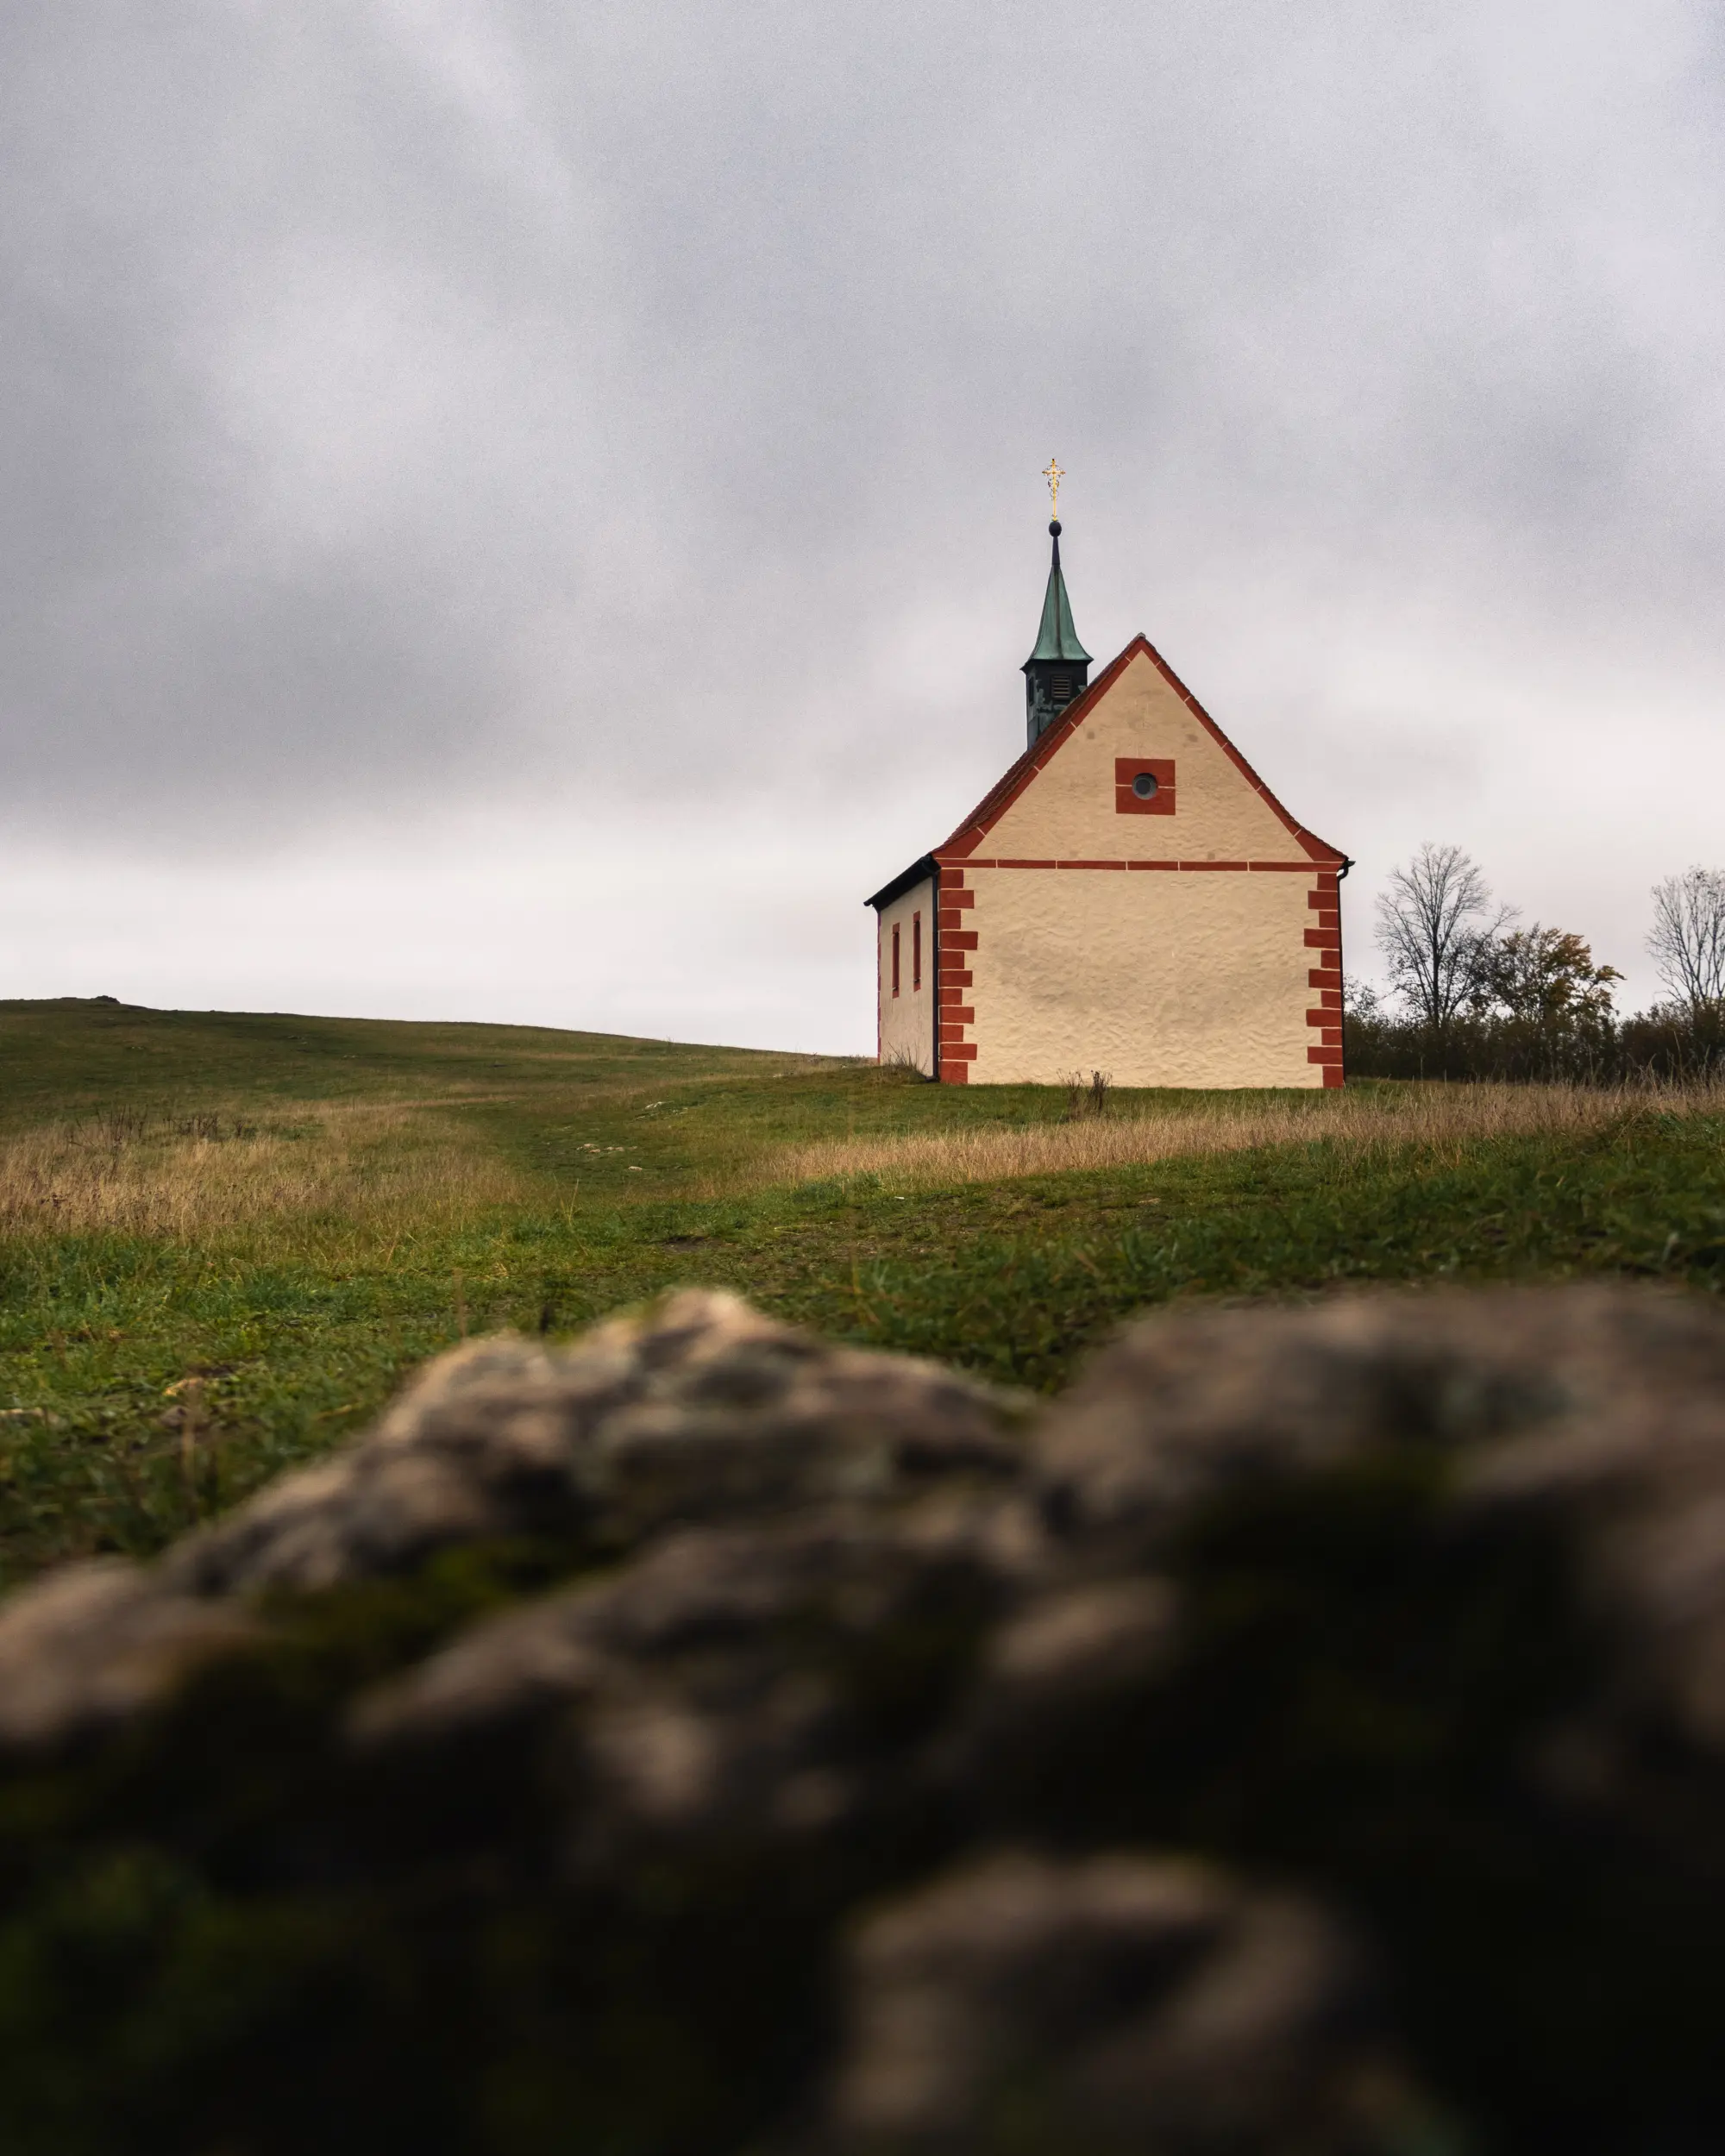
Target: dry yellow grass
{"type": "Point", "coordinates": [372, 1165]}
{"type": "Point", "coordinates": [1443, 1120]}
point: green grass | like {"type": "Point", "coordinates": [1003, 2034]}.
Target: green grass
{"type": "Point", "coordinates": [631, 1166]}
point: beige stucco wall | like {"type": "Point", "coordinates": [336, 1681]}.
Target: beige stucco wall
{"type": "Point", "coordinates": [1160, 978]}
{"type": "Point", "coordinates": [907, 1019]}
{"type": "Point", "coordinates": [1068, 812]}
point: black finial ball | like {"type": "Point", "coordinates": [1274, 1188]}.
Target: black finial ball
{"type": "Point", "coordinates": [1054, 528]}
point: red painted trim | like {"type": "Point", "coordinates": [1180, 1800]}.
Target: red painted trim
{"type": "Point", "coordinates": [956, 903]}
{"type": "Point", "coordinates": [1258, 868]}
{"type": "Point", "coordinates": [1127, 769]}
{"type": "Point", "coordinates": [1017, 776]}
{"type": "Point", "coordinates": [940, 899]}
{"type": "Point", "coordinates": [1340, 1076]}
{"type": "Point", "coordinates": [995, 803]}
{"type": "Point", "coordinates": [955, 899]}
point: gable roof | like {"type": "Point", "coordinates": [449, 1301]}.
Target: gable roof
{"type": "Point", "coordinates": [1000, 798]}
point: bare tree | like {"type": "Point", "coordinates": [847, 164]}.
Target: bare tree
{"type": "Point", "coordinates": [1436, 931]}
{"type": "Point", "coordinates": [1687, 940]}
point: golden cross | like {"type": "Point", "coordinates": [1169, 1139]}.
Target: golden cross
{"type": "Point", "coordinates": [1053, 475]}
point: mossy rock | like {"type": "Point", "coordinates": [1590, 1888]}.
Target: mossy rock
{"type": "Point", "coordinates": [1305, 1739]}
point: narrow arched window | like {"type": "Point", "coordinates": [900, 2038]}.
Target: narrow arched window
{"type": "Point", "coordinates": [895, 958]}
{"type": "Point", "coordinates": [916, 951]}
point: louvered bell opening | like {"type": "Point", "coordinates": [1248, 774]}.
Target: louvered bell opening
{"type": "Point", "coordinates": [1051, 689]}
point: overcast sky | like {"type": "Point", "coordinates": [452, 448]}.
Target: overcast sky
{"type": "Point", "coordinates": [528, 510]}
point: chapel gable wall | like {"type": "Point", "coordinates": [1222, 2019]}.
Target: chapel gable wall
{"type": "Point", "coordinates": [1163, 978]}
{"type": "Point", "coordinates": [1072, 808]}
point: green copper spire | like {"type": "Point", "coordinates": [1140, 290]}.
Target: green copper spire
{"type": "Point", "coordinates": [1054, 672]}
{"type": "Point", "coordinates": [1058, 639]}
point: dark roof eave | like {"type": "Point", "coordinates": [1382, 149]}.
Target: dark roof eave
{"type": "Point", "coordinates": [919, 872]}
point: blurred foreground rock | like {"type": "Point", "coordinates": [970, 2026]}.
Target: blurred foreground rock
{"type": "Point", "coordinates": [1308, 1737]}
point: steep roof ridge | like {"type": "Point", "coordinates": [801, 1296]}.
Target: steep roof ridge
{"type": "Point", "coordinates": [1012, 781]}
{"type": "Point", "coordinates": [995, 804]}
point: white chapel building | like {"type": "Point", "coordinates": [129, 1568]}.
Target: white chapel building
{"type": "Point", "coordinates": [1130, 898]}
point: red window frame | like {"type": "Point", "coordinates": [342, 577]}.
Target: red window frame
{"type": "Point", "coordinates": [895, 958]}
{"type": "Point", "coordinates": [1126, 802]}
{"type": "Point", "coordinates": [916, 952]}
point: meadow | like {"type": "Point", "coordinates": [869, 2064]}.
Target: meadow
{"type": "Point", "coordinates": [225, 1238]}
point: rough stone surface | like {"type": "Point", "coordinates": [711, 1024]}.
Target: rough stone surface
{"type": "Point", "coordinates": [1581, 1383]}
{"type": "Point", "coordinates": [92, 1646]}
{"type": "Point", "coordinates": [731, 1684]}
{"type": "Point", "coordinates": [705, 1411]}
{"type": "Point", "coordinates": [1306, 1738]}
{"type": "Point", "coordinates": [1111, 2004]}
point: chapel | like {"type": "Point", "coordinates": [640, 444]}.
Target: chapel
{"type": "Point", "coordinates": [1130, 898]}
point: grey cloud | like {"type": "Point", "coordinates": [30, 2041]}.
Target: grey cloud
{"type": "Point", "coordinates": [408, 400]}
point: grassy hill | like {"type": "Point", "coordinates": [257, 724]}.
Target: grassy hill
{"type": "Point", "coordinates": [225, 1238]}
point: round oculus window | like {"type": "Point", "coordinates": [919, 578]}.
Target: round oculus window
{"type": "Point", "coordinates": [1146, 786]}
